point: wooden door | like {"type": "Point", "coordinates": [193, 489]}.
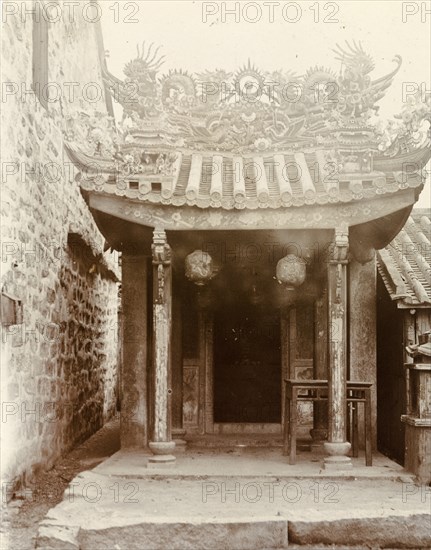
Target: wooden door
{"type": "Point", "coordinates": [247, 366]}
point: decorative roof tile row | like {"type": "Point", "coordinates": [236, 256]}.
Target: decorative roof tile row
{"type": "Point", "coordinates": [272, 181]}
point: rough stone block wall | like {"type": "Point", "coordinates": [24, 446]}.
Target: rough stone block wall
{"type": "Point", "coordinates": [59, 367]}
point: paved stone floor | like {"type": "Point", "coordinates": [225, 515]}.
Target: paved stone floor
{"type": "Point", "coordinates": [98, 498]}
{"type": "Point", "coordinates": [253, 461]}
{"type": "Point", "coordinates": [217, 499]}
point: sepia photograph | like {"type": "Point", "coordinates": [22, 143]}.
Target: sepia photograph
{"type": "Point", "coordinates": [215, 272]}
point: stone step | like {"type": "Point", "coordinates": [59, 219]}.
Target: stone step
{"type": "Point", "coordinates": [236, 503]}
{"type": "Point", "coordinates": [410, 531]}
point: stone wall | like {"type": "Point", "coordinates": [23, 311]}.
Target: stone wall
{"type": "Point", "coordinates": [59, 367]}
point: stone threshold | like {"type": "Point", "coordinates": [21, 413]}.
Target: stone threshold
{"type": "Point", "coordinates": [258, 462]}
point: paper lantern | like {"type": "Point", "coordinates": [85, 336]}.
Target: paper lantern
{"type": "Point", "coordinates": [291, 271]}
{"type": "Point", "coordinates": [199, 267]}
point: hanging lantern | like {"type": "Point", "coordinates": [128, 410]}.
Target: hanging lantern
{"type": "Point", "coordinates": [291, 271]}
{"type": "Point", "coordinates": [200, 267]}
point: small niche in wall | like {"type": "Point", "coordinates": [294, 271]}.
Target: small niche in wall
{"type": "Point", "coordinates": [11, 310]}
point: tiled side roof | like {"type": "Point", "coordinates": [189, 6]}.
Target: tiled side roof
{"type": "Point", "coordinates": [405, 264]}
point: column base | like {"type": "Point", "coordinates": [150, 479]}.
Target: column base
{"type": "Point", "coordinates": [161, 461]}
{"type": "Point", "coordinates": [337, 459]}
{"type": "Point", "coordinates": [334, 448]}
{"type": "Point", "coordinates": [160, 448]}
{"type": "Point", "coordinates": [178, 433]}
{"type": "Point", "coordinates": [337, 463]}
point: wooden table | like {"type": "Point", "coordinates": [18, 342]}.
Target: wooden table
{"type": "Point", "coordinates": [317, 390]}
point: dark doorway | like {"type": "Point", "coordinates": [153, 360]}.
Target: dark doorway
{"type": "Point", "coordinates": [247, 365]}
{"type": "Point", "coordinates": [391, 393]}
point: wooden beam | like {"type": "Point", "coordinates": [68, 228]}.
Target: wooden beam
{"type": "Point", "coordinates": [174, 218]}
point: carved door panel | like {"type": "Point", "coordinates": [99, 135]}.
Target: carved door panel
{"type": "Point", "coordinates": [301, 352]}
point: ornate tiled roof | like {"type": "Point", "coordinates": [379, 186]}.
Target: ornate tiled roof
{"type": "Point", "coordinates": [251, 139]}
{"type": "Point", "coordinates": [405, 264]}
{"type": "Point", "coordinates": [270, 181]}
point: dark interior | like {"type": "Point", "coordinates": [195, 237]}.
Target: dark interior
{"type": "Point", "coordinates": [247, 365]}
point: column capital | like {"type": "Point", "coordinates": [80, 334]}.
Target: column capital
{"type": "Point", "coordinates": [161, 251]}
{"type": "Point", "coordinates": [340, 246]}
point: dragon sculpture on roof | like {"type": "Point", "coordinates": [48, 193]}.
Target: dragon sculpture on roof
{"type": "Point", "coordinates": [248, 111]}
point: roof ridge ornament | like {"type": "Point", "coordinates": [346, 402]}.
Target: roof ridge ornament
{"type": "Point", "coordinates": [221, 110]}
{"type": "Point", "coordinates": [218, 114]}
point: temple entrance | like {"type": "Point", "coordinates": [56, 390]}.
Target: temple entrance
{"type": "Point", "coordinates": [244, 333]}
{"type": "Point", "coordinates": [247, 365]}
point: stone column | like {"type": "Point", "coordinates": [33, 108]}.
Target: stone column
{"type": "Point", "coordinates": [133, 417]}
{"type": "Point", "coordinates": [178, 432]}
{"type": "Point", "coordinates": [337, 445]}
{"type": "Point", "coordinates": [320, 409]}
{"type": "Point", "coordinates": [161, 443]}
